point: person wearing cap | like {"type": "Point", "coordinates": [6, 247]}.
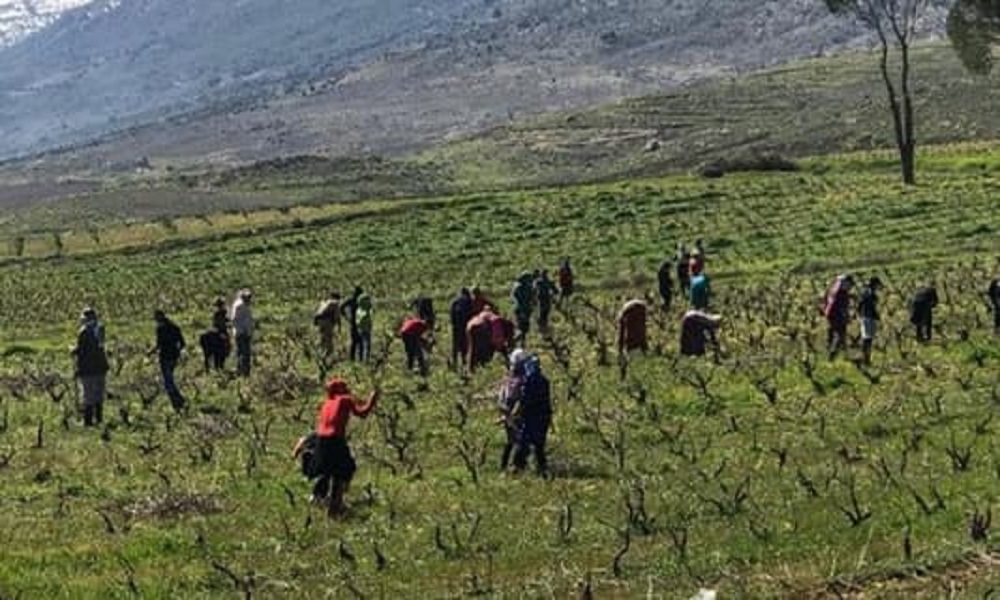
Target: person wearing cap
{"type": "Point", "coordinates": [241, 316]}
{"type": "Point", "coordinates": [460, 312]}
{"type": "Point", "coordinates": [535, 412]}
{"type": "Point", "coordinates": [169, 345]}
{"type": "Point", "coordinates": [698, 331]}
{"type": "Point", "coordinates": [509, 397]}
{"type": "Point", "coordinates": [868, 314]}
{"type": "Point", "coordinates": [335, 466]}
{"type": "Point", "coordinates": [837, 309]}
{"type": "Point", "coordinates": [327, 321]}
{"type": "Point", "coordinates": [522, 297]}
{"type": "Point", "coordinates": [412, 333]}
{"type": "Point", "coordinates": [922, 312]}
{"type": "Point", "coordinates": [632, 327]}
{"type": "Point", "coordinates": [91, 366]}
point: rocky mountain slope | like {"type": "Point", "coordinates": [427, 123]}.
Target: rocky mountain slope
{"type": "Point", "coordinates": [20, 18]}
{"type": "Point", "coordinates": [224, 81]}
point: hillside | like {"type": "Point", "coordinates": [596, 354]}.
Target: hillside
{"type": "Point", "coordinates": [194, 81]}
{"type": "Point", "coordinates": [808, 108]}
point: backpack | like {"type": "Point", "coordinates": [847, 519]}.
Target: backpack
{"type": "Point", "coordinates": [309, 460]}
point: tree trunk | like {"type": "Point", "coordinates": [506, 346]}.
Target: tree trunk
{"type": "Point", "coordinates": [899, 127]}
{"type": "Point", "coordinates": [907, 161]}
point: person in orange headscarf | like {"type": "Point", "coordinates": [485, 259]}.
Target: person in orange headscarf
{"type": "Point", "coordinates": [334, 466]}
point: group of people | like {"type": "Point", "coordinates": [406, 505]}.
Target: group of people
{"type": "Point", "coordinates": [698, 325]}
{"type": "Point", "coordinates": [479, 332]}
{"type": "Point", "coordinates": [837, 304]}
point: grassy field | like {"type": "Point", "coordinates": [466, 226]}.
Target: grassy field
{"type": "Point", "coordinates": [767, 472]}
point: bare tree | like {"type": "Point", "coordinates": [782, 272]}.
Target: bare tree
{"type": "Point", "coordinates": [894, 22]}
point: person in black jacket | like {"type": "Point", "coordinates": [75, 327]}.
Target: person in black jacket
{"type": "Point", "coordinates": [922, 312]}
{"type": "Point", "coordinates": [869, 315]}
{"type": "Point", "coordinates": [535, 413]}
{"type": "Point", "coordinates": [169, 345]}
{"type": "Point", "coordinates": [460, 313]}
{"type": "Point", "coordinates": [91, 366]}
{"type": "Point", "coordinates": [349, 310]}
{"type": "Point", "coordinates": [666, 283]}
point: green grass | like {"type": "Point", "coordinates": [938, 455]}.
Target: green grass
{"type": "Point", "coordinates": [736, 493]}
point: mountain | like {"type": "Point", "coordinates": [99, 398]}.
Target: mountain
{"type": "Point", "coordinates": [241, 80]}
{"type": "Point", "coordinates": [20, 18]}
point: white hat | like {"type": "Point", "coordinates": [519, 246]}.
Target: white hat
{"type": "Point", "coordinates": [517, 357]}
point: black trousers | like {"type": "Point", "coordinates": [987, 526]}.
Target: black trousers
{"type": "Point", "coordinates": [414, 353]}
{"type": "Point", "coordinates": [836, 337]}
{"type": "Point", "coordinates": [244, 355]}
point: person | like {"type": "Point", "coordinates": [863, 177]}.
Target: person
{"type": "Point", "coordinates": [349, 310]}
{"type": "Point", "coordinates": [666, 283]}
{"type": "Point", "coordinates": [696, 264]}
{"type": "Point", "coordinates": [91, 366]}
{"type": "Point", "coordinates": [334, 466]}
{"type": "Point", "coordinates": [566, 280]}
{"type": "Point", "coordinates": [632, 327]}
{"type": "Point", "coordinates": [993, 293]}
{"type": "Point", "coordinates": [241, 316]}
{"type": "Point", "coordinates": [922, 312]}
{"type": "Point", "coordinates": [169, 346]}
{"type": "Point", "coordinates": [215, 343]}
{"type": "Point", "coordinates": [836, 309]}
{"type": "Point", "coordinates": [460, 313]}
{"type": "Point", "coordinates": [682, 262]}
{"type": "Point", "coordinates": [698, 330]}
{"type": "Point", "coordinates": [545, 292]}
{"type": "Point", "coordinates": [364, 323]}
{"type": "Point", "coordinates": [478, 332]}
{"type": "Point", "coordinates": [869, 315]}
{"type": "Point", "coordinates": [480, 302]}
{"type": "Point", "coordinates": [487, 333]}
{"type": "Point", "coordinates": [535, 413]}
{"type": "Point", "coordinates": [700, 291]}
{"type": "Point", "coordinates": [327, 320]}
{"type": "Point", "coordinates": [412, 333]}
{"type": "Point", "coordinates": [509, 398]}
{"type": "Point", "coordinates": [423, 306]}
{"type": "Point", "coordinates": [522, 297]}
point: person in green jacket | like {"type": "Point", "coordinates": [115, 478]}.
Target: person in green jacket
{"type": "Point", "coordinates": [523, 298]}
{"type": "Point", "coordinates": [701, 292]}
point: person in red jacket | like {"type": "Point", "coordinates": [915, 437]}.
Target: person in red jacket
{"type": "Point", "coordinates": [412, 333]}
{"type": "Point", "coordinates": [632, 327]}
{"type": "Point", "coordinates": [335, 467]}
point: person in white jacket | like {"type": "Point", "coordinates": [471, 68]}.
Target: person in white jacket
{"type": "Point", "coordinates": [241, 317]}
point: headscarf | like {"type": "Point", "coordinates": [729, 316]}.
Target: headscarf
{"type": "Point", "coordinates": [517, 358]}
